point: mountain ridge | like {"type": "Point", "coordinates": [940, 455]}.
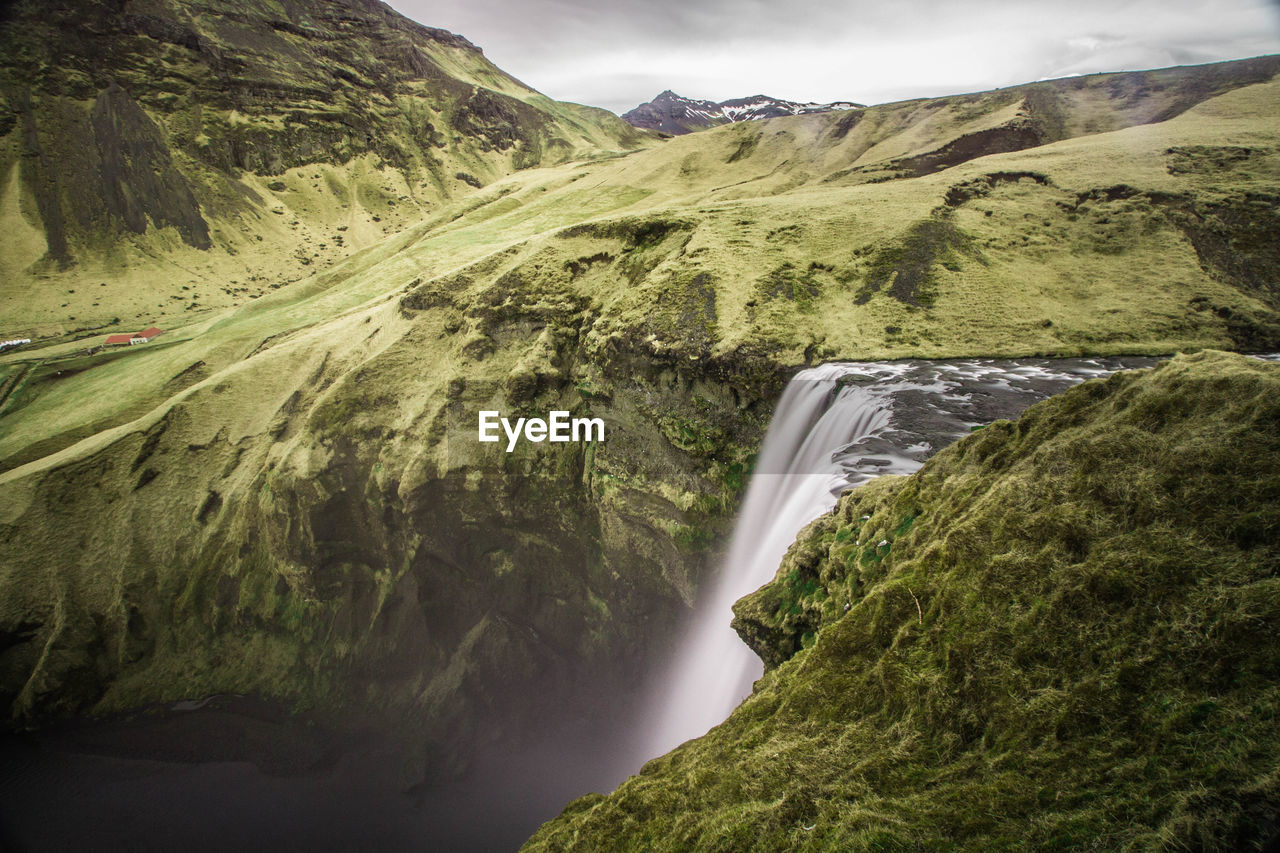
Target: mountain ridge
{"type": "Point", "coordinates": [676, 115]}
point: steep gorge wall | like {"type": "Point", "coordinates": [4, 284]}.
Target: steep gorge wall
{"type": "Point", "coordinates": [349, 547]}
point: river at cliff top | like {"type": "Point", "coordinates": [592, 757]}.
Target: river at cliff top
{"type": "Point", "coordinates": [237, 774]}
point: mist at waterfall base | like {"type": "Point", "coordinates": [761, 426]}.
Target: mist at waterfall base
{"type": "Point", "coordinates": [239, 774]}
{"type": "Point", "coordinates": [235, 774]}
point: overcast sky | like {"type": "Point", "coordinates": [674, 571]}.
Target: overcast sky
{"type": "Point", "coordinates": [619, 54]}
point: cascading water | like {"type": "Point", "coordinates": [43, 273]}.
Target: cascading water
{"type": "Point", "coordinates": [837, 426]}
{"type": "Point", "coordinates": [792, 485]}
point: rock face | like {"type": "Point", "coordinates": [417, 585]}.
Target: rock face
{"type": "Point", "coordinates": [673, 114]}
{"type": "Point", "coordinates": [1054, 632]}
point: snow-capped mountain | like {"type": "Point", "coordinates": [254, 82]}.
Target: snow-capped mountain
{"type": "Point", "coordinates": [671, 113]}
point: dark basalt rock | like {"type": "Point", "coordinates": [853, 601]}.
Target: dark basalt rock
{"type": "Point", "coordinates": [139, 180]}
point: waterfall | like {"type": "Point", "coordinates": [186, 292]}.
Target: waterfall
{"type": "Point", "coordinates": [837, 426]}
{"type": "Point", "coordinates": [797, 478]}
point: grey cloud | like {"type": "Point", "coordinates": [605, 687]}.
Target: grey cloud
{"type": "Point", "coordinates": [617, 55]}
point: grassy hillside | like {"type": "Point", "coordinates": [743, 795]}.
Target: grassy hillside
{"type": "Point", "coordinates": [160, 160]}
{"type": "Point", "coordinates": [1149, 239]}
{"type": "Point", "coordinates": [1057, 635]}
{"type": "Point", "coordinates": [286, 497]}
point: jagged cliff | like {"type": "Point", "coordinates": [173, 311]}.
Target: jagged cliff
{"type": "Point", "coordinates": [1058, 633]}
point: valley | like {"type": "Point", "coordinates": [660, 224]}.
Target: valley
{"type": "Point", "coordinates": [357, 234]}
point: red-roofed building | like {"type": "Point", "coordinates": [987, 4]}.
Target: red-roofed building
{"type": "Point", "coordinates": [145, 336]}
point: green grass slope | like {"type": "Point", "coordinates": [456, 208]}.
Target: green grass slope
{"type": "Point", "coordinates": [1152, 238]}
{"type": "Point", "coordinates": [1058, 634]}
{"type": "Point", "coordinates": [306, 515]}
{"type": "Point", "coordinates": [162, 159]}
